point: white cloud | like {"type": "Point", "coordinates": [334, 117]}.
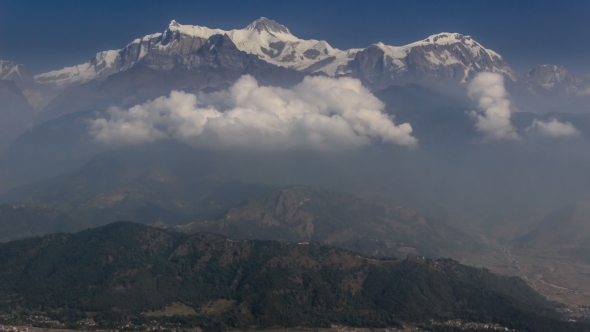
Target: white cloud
{"type": "Point", "coordinates": [584, 92]}
{"type": "Point", "coordinates": [318, 113]}
{"type": "Point", "coordinates": [488, 89]}
{"type": "Point", "coordinates": [553, 128]}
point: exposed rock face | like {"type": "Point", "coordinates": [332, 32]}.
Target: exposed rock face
{"type": "Point", "coordinates": [216, 52]}
{"type": "Point", "coordinates": [370, 64]}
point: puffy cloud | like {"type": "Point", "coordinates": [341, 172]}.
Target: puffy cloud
{"type": "Point", "coordinates": [488, 89]}
{"type": "Point", "coordinates": [318, 113]}
{"type": "Point", "coordinates": [553, 128]}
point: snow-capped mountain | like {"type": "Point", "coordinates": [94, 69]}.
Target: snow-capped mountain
{"type": "Point", "coordinates": [100, 67]}
{"type": "Point", "coordinates": [17, 73]}
{"type": "Point", "coordinates": [444, 61]}
{"type": "Point", "coordinates": [446, 55]}
{"type": "Point", "coordinates": [269, 40]}
{"type": "Point", "coordinates": [214, 63]}
{"type": "Point", "coordinates": [552, 77]}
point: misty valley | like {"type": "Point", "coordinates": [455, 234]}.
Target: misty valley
{"type": "Point", "coordinates": [203, 179]}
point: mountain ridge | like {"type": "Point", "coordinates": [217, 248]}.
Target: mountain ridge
{"type": "Point", "coordinates": [304, 214]}
{"type": "Point", "coordinates": [121, 270]}
{"type": "Point", "coordinates": [195, 65]}
{"type": "Point", "coordinates": [445, 61]}
{"type": "Point", "coordinates": [273, 43]}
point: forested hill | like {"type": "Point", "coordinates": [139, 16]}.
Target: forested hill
{"type": "Point", "coordinates": [312, 214]}
{"type": "Point", "coordinates": [121, 271]}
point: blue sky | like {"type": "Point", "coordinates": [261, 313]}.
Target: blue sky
{"type": "Point", "coordinates": [47, 35]}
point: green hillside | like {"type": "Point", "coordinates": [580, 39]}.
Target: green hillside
{"type": "Point", "coordinates": [120, 272]}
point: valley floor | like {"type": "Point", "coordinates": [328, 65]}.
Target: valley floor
{"type": "Point", "coordinates": [559, 278]}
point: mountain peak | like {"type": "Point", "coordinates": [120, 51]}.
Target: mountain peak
{"type": "Point", "coordinates": [452, 38]}
{"type": "Point", "coordinates": [173, 23]}
{"type": "Point", "coordinates": [268, 25]}
{"type": "Point", "coordinates": [16, 72]}
{"type": "Point", "coordinates": [546, 69]}
{"type": "Point", "coordinates": [449, 38]}
{"type": "Point", "coordinates": [548, 76]}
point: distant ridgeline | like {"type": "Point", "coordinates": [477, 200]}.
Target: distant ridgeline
{"type": "Point", "coordinates": [125, 272]}
{"type": "Point", "coordinates": [312, 214]}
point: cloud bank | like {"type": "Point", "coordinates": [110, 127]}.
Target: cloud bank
{"type": "Point", "coordinates": [319, 113]}
{"type": "Point", "coordinates": [488, 90]}
{"type": "Point", "coordinates": [553, 128]}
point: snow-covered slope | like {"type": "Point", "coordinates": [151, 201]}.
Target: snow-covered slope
{"type": "Point", "coordinates": [445, 49]}
{"type": "Point", "coordinates": [271, 41]}
{"type": "Point", "coordinates": [100, 67]}
{"type": "Point", "coordinates": [445, 55]}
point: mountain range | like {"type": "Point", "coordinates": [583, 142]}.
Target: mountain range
{"type": "Point", "coordinates": [357, 223]}
{"type": "Point", "coordinates": [175, 187]}
{"type": "Point", "coordinates": [275, 44]}
{"type": "Point", "coordinates": [440, 58]}
{"type": "Point", "coordinates": [195, 58]}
